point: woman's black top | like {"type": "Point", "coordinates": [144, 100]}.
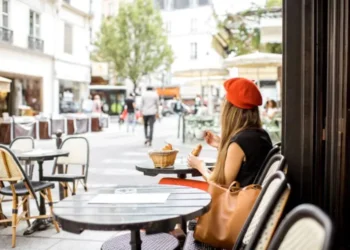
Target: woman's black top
{"type": "Point", "coordinates": [256, 144]}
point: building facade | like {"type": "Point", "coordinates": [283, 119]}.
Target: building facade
{"type": "Point", "coordinates": [45, 53]}
{"type": "Point", "coordinates": [190, 26]}
{"type": "Point", "coordinates": [72, 54]}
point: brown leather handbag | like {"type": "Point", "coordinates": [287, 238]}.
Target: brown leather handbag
{"type": "Point", "coordinates": [229, 209]}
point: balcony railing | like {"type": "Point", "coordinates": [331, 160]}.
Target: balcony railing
{"type": "Point", "coordinates": [6, 35]}
{"type": "Point", "coordinates": [35, 43]}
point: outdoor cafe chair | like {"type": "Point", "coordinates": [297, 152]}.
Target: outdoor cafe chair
{"type": "Point", "coordinates": [20, 186]}
{"type": "Point", "coordinates": [276, 149]}
{"type": "Point", "coordinates": [79, 155]}
{"type": "Point", "coordinates": [23, 144]}
{"type": "Point", "coordinates": [305, 227]}
{"type": "Point", "coordinates": [276, 163]}
{"type": "Point", "coordinates": [270, 203]}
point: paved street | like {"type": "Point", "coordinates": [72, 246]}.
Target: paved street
{"type": "Point", "coordinates": [114, 154]}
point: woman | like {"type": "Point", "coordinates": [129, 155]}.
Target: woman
{"type": "Point", "coordinates": [97, 108]}
{"type": "Point", "coordinates": [270, 109]}
{"type": "Point", "coordinates": [243, 145]}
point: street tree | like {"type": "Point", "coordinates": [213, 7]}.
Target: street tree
{"type": "Point", "coordinates": [273, 3]}
{"type": "Point", "coordinates": [134, 41]}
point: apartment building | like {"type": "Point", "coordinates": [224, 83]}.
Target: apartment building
{"type": "Point", "coordinates": [190, 26]}
{"type": "Point", "coordinates": [44, 50]}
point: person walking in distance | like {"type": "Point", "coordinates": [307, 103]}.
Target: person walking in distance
{"type": "Point", "coordinates": [130, 108]}
{"type": "Point", "coordinates": [149, 111]}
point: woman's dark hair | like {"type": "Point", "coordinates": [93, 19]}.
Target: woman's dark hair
{"type": "Point", "coordinates": [273, 104]}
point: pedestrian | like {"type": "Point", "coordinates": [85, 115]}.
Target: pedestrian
{"type": "Point", "coordinates": [149, 111]}
{"type": "Point", "coordinates": [87, 105]}
{"type": "Point", "coordinates": [178, 107]}
{"type": "Point", "coordinates": [97, 107]}
{"type": "Point", "coordinates": [131, 115]}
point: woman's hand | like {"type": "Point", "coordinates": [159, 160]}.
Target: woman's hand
{"type": "Point", "coordinates": [194, 162]}
{"type": "Point", "coordinates": [211, 139]}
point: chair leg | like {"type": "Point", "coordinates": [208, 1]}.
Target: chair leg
{"type": "Point", "coordinates": [74, 189]}
{"type": "Point", "coordinates": [14, 220]}
{"type": "Point", "coordinates": [65, 188]}
{"type": "Point", "coordinates": [2, 216]}
{"type": "Point", "coordinates": [85, 185]}
{"type": "Point", "coordinates": [54, 169]}
{"type": "Point", "coordinates": [31, 169]}
{"type": "Point", "coordinates": [49, 196]}
{"type": "Point", "coordinates": [26, 168]}
{"type": "Point", "coordinates": [26, 209]}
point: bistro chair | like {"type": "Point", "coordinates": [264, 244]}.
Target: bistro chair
{"type": "Point", "coordinates": [276, 163]}
{"type": "Point", "coordinates": [21, 186]}
{"type": "Point", "coordinates": [305, 227]}
{"type": "Point", "coordinates": [274, 194]}
{"type": "Point", "coordinates": [23, 144]}
{"type": "Point", "coordinates": [262, 221]}
{"type": "Point", "coordinates": [276, 149]}
{"type": "Point", "coordinates": [79, 155]}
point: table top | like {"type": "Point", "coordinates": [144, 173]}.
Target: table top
{"type": "Point", "coordinates": [180, 167]}
{"type": "Point", "coordinates": [40, 154]}
{"type": "Point", "coordinates": [76, 214]}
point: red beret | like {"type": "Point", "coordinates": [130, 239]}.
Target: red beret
{"type": "Point", "coordinates": [242, 93]}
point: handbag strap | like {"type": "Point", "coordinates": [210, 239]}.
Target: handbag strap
{"type": "Point", "coordinates": [252, 186]}
{"type": "Point", "coordinates": [234, 186]}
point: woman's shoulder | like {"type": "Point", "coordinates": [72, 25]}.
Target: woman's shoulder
{"type": "Point", "coordinates": [251, 136]}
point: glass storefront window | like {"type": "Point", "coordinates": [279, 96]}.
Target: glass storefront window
{"type": "Point", "coordinates": [69, 97]}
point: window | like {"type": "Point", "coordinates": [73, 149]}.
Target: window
{"type": "Point", "coordinates": [193, 24]}
{"type": "Point", "coordinates": [34, 24]}
{"type": "Point", "coordinates": [181, 4]}
{"type": "Point", "coordinates": [193, 54]}
{"type": "Point", "coordinates": [68, 38]}
{"type": "Point", "coordinates": [4, 22]}
{"type": "Point", "coordinates": [203, 2]}
{"type": "Point", "coordinates": [160, 4]}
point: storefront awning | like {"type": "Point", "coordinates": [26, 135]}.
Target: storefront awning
{"type": "Point", "coordinates": [169, 92]}
{"type": "Point", "coordinates": [5, 84]}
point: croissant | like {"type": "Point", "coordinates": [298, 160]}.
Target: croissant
{"type": "Point", "coordinates": [197, 150]}
{"type": "Point", "coordinates": [168, 147]}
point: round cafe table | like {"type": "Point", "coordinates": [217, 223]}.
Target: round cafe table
{"type": "Point", "coordinates": [180, 168]}
{"type": "Point", "coordinates": [78, 213]}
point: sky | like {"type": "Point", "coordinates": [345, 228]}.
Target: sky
{"type": "Point", "coordinates": [223, 6]}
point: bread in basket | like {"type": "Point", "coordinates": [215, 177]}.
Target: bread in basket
{"type": "Point", "coordinates": [163, 158]}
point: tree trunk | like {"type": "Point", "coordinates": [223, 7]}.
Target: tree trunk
{"type": "Point", "coordinates": [135, 86]}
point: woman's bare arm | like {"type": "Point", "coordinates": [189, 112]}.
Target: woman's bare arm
{"type": "Point", "coordinates": [233, 163]}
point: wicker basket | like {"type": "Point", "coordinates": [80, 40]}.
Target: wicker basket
{"type": "Point", "coordinates": [163, 159]}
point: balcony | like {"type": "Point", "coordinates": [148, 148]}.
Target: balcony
{"type": "Point", "coordinates": [35, 43]}
{"type": "Point", "coordinates": [6, 35]}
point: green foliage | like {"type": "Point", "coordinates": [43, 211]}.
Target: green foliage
{"type": "Point", "coordinates": [243, 37]}
{"type": "Point", "coordinates": [273, 48]}
{"type": "Point", "coordinates": [273, 3]}
{"type": "Point", "coordinates": [134, 41]}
